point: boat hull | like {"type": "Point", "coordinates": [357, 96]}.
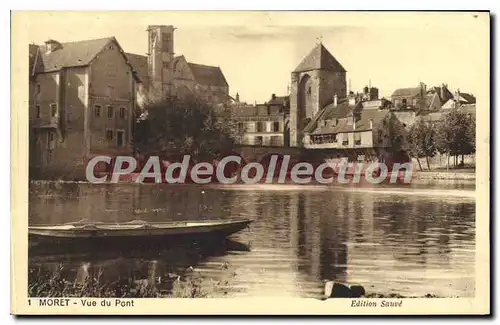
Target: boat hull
{"type": "Point", "coordinates": [139, 235]}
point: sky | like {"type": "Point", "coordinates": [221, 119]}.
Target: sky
{"type": "Point", "coordinates": [257, 51]}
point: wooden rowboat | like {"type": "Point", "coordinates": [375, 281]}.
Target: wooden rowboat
{"type": "Point", "coordinates": [137, 229]}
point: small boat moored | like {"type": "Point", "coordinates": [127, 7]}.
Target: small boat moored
{"type": "Point", "coordinates": [136, 229]}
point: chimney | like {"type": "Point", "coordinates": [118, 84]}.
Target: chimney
{"type": "Point", "coordinates": [52, 45]}
{"type": "Point", "coordinates": [273, 96]}
{"type": "Point", "coordinates": [442, 92]}
{"type": "Point", "coordinates": [335, 100]}
{"type": "Point", "coordinates": [423, 88]}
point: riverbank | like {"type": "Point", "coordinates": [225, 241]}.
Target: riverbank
{"type": "Point", "coordinates": [451, 174]}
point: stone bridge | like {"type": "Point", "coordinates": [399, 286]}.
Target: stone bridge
{"type": "Point", "coordinates": [314, 156]}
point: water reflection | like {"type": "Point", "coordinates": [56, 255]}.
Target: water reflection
{"type": "Point", "coordinates": [393, 242]}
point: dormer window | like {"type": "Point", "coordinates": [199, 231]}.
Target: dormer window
{"type": "Point", "coordinates": [52, 45]}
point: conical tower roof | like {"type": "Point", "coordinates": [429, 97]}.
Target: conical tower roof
{"type": "Point", "coordinates": [319, 58]}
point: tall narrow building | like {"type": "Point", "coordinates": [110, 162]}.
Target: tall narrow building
{"type": "Point", "coordinates": [161, 60]}
{"type": "Point", "coordinates": [316, 82]}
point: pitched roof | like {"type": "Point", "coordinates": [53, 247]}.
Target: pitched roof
{"type": "Point", "coordinates": [71, 54]}
{"type": "Point", "coordinates": [406, 92]}
{"type": "Point", "coordinates": [432, 99]}
{"type": "Point", "coordinates": [140, 66]}
{"type": "Point", "coordinates": [33, 49]}
{"type": "Point", "coordinates": [443, 92]}
{"type": "Point", "coordinates": [363, 124]}
{"type": "Point", "coordinates": [470, 99]}
{"type": "Point", "coordinates": [330, 112]}
{"type": "Point", "coordinates": [208, 75]}
{"type": "Point", "coordinates": [319, 58]}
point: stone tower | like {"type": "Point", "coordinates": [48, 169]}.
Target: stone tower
{"type": "Point", "coordinates": [160, 61]}
{"type": "Point", "coordinates": [315, 82]}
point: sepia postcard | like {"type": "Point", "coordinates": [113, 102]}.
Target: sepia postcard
{"type": "Point", "coordinates": [241, 162]}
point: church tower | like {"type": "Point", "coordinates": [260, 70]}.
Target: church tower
{"type": "Point", "coordinates": [160, 61]}
{"type": "Point", "coordinates": [315, 82]}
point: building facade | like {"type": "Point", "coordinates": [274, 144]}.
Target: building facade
{"type": "Point", "coordinates": [82, 99]}
{"type": "Point", "coordinates": [353, 126]}
{"type": "Point", "coordinates": [161, 74]}
{"type": "Point", "coordinates": [314, 83]}
{"type": "Point", "coordinates": [263, 124]}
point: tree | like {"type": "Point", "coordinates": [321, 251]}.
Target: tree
{"type": "Point", "coordinates": [421, 140]}
{"type": "Point", "coordinates": [456, 134]}
{"type": "Point", "coordinates": [186, 126]}
{"type": "Point", "coordinates": [396, 132]}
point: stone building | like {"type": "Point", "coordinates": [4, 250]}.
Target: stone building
{"type": "Point", "coordinates": [160, 73]}
{"type": "Point", "coordinates": [315, 82]}
{"type": "Point", "coordinates": [81, 104]}
{"type": "Point", "coordinates": [353, 126]}
{"type": "Point", "coordinates": [263, 124]}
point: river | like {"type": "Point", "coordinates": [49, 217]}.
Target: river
{"type": "Point", "coordinates": [411, 240]}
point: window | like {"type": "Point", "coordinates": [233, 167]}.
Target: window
{"type": "Point", "coordinates": [97, 110]}
{"type": "Point", "coordinates": [345, 139]}
{"type": "Point", "coordinates": [53, 110]}
{"type": "Point", "coordinates": [309, 90]}
{"type": "Point", "coordinates": [109, 135]}
{"type": "Point", "coordinates": [260, 127]}
{"type": "Point", "coordinates": [380, 138]}
{"type": "Point", "coordinates": [276, 140]}
{"type": "Point", "coordinates": [37, 89]}
{"type": "Point", "coordinates": [404, 101]}
{"type": "Point", "coordinates": [123, 112]}
{"type": "Point", "coordinates": [120, 135]}
{"type": "Point", "coordinates": [258, 141]}
{"type": "Point", "coordinates": [241, 127]}
{"type": "Point", "coordinates": [357, 138]}
{"type": "Point", "coordinates": [37, 111]}
{"type": "Point", "coordinates": [276, 126]}
{"type": "Point", "coordinates": [110, 112]}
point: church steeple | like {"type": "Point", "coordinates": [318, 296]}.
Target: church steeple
{"type": "Point", "coordinates": [237, 97]}
{"type": "Point", "coordinates": [160, 60]}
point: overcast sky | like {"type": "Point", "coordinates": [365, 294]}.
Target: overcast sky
{"type": "Point", "coordinates": [258, 51]}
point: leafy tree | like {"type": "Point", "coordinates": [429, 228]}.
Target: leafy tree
{"type": "Point", "coordinates": [456, 133]}
{"type": "Point", "coordinates": [186, 126]}
{"type": "Point", "coordinates": [421, 140]}
{"type": "Point", "coordinates": [396, 132]}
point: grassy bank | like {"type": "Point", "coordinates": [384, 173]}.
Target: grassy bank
{"type": "Point", "coordinates": [43, 283]}
{"type": "Point", "coordinates": [450, 174]}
